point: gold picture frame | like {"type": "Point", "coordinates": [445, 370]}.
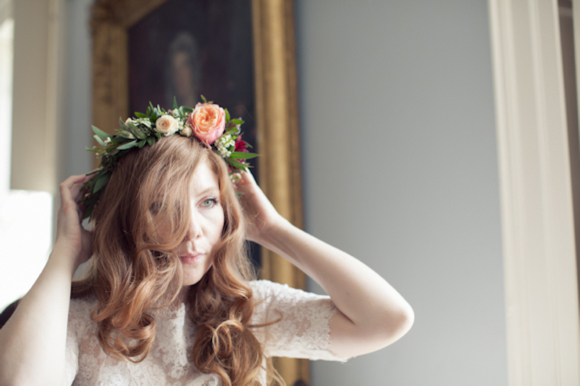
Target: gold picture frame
{"type": "Point", "coordinates": [276, 113]}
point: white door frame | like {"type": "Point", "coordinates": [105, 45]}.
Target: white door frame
{"type": "Point", "coordinates": [536, 194]}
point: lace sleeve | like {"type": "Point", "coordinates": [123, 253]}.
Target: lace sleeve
{"type": "Point", "coordinates": [78, 318]}
{"type": "Point", "coordinates": [301, 328]}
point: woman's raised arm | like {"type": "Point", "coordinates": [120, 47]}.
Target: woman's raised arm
{"type": "Point", "coordinates": [372, 314]}
{"type": "Point", "coordinates": [34, 338]}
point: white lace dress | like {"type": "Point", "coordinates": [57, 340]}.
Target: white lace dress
{"type": "Point", "coordinates": [303, 332]}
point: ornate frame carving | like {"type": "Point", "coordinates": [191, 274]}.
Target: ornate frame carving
{"type": "Point", "coordinates": [276, 112]}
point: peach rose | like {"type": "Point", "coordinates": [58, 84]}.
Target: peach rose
{"type": "Point", "coordinates": [208, 122]}
{"type": "Point", "coordinates": [166, 125]}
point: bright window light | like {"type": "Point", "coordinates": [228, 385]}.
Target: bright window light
{"type": "Point", "coordinates": [25, 217]}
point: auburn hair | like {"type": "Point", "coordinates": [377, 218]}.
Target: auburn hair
{"type": "Point", "coordinates": [136, 269]}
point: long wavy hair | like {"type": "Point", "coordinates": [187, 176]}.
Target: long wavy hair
{"type": "Point", "coordinates": [136, 269]}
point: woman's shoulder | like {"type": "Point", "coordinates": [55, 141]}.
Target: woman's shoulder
{"type": "Point", "coordinates": [83, 301]}
{"type": "Point", "coordinates": [79, 314]}
{"type": "Point", "coordinates": [265, 290]}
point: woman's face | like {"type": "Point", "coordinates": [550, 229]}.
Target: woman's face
{"type": "Point", "coordinates": [205, 227]}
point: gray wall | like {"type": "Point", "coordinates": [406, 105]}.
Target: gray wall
{"type": "Point", "coordinates": [400, 169]}
{"type": "Point", "coordinates": [77, 96]}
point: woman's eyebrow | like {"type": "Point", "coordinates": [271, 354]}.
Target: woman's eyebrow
{"type": "Point", "coordinates": [211, 189]}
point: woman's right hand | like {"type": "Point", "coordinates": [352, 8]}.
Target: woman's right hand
{"type": "Point", "coordinates": [70, 233]}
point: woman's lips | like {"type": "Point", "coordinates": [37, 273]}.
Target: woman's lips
{"type": "Point", "coordinates": [191, 258]}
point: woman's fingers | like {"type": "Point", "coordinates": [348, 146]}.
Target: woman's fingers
{"type": "Point", "coordinates": [73, 179]}
{"type": "Point", "coordinates": [70, 193]}
{"type": "Point", "coordinates": [247, 183]}
{"type": "Point", "coordinates": [70, 187]}
{"type": "Point", "coordinates": [75, 189]}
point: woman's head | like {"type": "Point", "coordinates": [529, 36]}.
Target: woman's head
{"type": "Point", "coordinates": [166, 204]}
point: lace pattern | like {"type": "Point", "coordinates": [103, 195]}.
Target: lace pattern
{"type": "Point", "coordinates": [301, 332]}
{"type": "Point", "coordinates": [303, 328]}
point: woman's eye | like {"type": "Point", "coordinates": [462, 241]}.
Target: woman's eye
{"type": "Point", "coordinates": [209, 203]}
{"type": "Point", "coordinates": [155, 207]}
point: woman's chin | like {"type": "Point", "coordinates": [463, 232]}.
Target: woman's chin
{"type": "Point", "coordinates": [189, 280]}
{"type": "Point", "coordinates": [192, 275]}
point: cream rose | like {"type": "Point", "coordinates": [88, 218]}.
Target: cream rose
{"type": "Point", "coordinates": [166, 125]}
{"type": "Point", "coordinates": [186, 131]}
{"type": "Point", "coordinates": [208, 122]}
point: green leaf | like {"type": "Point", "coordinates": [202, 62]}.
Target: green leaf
{"type": "Point", "coordinates": [99, 140]}
{"type": "Point", "coordinates": [127, 145]}
{"type": "Point", "coordinates": [91, 173]}
{"type": "Point", "coordinates": [175, 103]}
{"type": "Point", "coordinates": [203, 99]}
{"type": "Point", "coordinates": [187, 110]}
{"type": "Point", "coordinates": [123, 125]}
{"type": "Point", "coordinates": [88, 213]}
{"type": "Point", "coordinates": [158, 135]}
{"type": "Point", "coordinates": [102, 172]}
{"type": "Point", "coordinates": [140, 115]}
{"type": "Point", "coordinates": [141, 143]}
{"type": "Point", "coordinates": [232, 131]}
{"type": "Point", "coordinates": [151, 141]}
{"type": "Point", "coordinates": [237, 164]}
{"type": "Point", "coordinates": [227, 115]}
{"type": "Point", "coordinates": [124, 134]}
{"type": "Point", "coordinates": [100, 183]}
{"type": "Point", "coordinates": [237, 121]}
{"type": "Point", "coordinates": [100, 132]}
{"type": "Point", "coordinates": [243, 155]}
{"type": "Point", "coordinates": [135, 130]}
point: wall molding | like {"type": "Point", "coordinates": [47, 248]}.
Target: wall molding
{"type": "Point", "coordinates": [536, 194]}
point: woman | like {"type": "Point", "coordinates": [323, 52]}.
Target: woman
{"type": "Point", "coordinates": [170, 298]}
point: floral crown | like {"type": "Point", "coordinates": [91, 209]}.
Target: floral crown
{"type": "Point", "coordinates": [207, 122]}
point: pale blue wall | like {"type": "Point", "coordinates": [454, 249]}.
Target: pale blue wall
{"type": "Point", "coordinates": [400, 169]}
{"type": "Point", "coordinates": [77, 116]}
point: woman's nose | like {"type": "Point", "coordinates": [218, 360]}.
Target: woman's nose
{"type": "Point", "coordinates": [194, 230]}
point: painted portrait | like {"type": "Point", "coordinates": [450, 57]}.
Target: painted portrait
{"type": "Point", "coordinates": [188, 48]}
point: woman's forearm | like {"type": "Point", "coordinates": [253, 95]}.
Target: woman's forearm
{"type": "Point", "coordinates": [372, 305]}
{"type": "Point", "coordinates": [33, 340]}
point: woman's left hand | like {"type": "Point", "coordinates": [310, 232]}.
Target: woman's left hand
{"type": "Point", "coordinates": [260, 214]}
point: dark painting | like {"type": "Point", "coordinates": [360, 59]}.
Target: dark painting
{"type": "Point", "coordinates": [187, 48]}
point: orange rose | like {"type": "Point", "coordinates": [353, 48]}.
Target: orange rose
{"type": "Point", "coordinates": [208, 122]}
